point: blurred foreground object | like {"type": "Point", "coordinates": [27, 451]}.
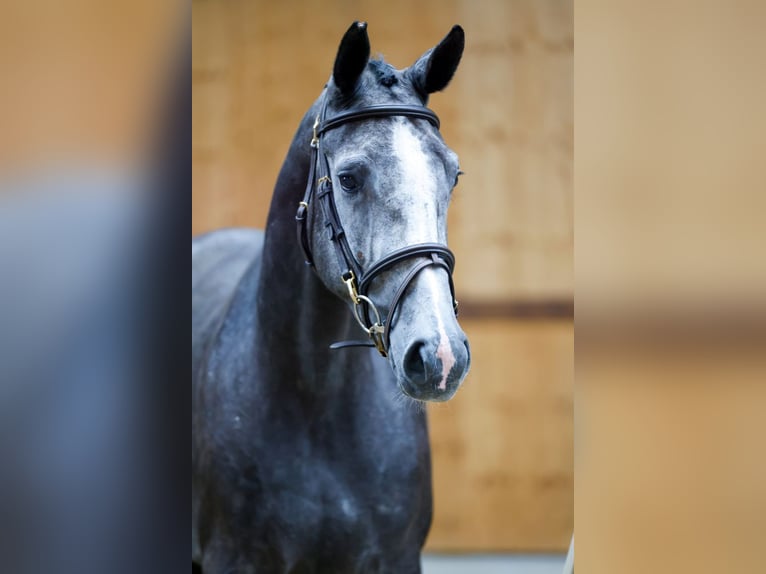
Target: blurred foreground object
{"type": "Point", "coordinates": [69, 365]}
{"type": "Point", "coordinates": [670, 283]}
{"type": "Point", "coordinates": [91, 152]}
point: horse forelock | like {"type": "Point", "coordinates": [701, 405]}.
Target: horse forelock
{"type": "Point", "coordinates": [384, 72]}
{"type": "Point", "coordinates": [380, 83]}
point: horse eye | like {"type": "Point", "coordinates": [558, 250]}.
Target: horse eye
{"type": "Point", "coordinates": [457, 177]}
{"type": "Point", "coordinates": [347, 182]}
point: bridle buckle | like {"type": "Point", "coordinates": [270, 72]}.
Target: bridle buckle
{"type": "Point", "coordinates": [376, 330]}
{"type": "Point", "coordinates": [350, 280]}
{"type": "Point", "coordinates": [376, 334]}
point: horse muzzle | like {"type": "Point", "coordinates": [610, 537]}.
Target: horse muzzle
{"type": "Point", "coordinates": [433, 368]}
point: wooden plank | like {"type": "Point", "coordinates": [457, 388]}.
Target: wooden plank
{"type": "Point", "coordinates": [503, 446]}
{"type": "Point", "coordinates": [513, 210]}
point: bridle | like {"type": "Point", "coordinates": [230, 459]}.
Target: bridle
{"type": "Point", "coordinates": [358, 280]}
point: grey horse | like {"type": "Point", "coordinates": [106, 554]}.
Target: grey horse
{"type": "Point", "coordinates": [307, 458]}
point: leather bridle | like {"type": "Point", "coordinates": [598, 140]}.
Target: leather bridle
{"type": "Point", "coordinates": [357, 280]}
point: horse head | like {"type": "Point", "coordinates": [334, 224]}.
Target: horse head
{"type": "Point", "coordinates": [384, 178]}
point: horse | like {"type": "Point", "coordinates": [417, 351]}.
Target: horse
{"type": "Point", "coordinates": [310, 449]}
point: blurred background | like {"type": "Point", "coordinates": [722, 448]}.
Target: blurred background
{"type": "Point", "coordinates": [503, 447]}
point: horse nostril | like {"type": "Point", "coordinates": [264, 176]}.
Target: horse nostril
{"type": "Point", "coordinates": [415, 362]}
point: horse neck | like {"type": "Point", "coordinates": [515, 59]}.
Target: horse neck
{"type": "Point", "coordinates": [297, 317]}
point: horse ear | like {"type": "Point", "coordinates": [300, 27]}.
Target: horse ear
{"type": "Point", "coordinates": [434, 69]}
{"type": "Point", "coordinates": [353, 53]}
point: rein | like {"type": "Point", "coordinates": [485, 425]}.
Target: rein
{"type": "Point", "coordinates": [356, 279]}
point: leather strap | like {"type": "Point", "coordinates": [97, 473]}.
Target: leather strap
{"type": "Point", "coordinates": [380, 111]}
{"type": "Point", "coordinates": [395, 257]}
{"type": "Point", "coordinates": [347, 344]}
{"type": "Point", "coordinates": [301, 216]}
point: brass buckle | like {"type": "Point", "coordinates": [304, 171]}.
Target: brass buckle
{"type": "Point", "coordinates": [350, 280]}
{"type": "Point", "coordinates": [376, 334]}
{"type": "Point", "coordinates": [376, 330]}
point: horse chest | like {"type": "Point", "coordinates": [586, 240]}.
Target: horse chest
{"type": "Point", "coordinates": [347, 478]}
{"type": "Point", "coordinates": [343, 495]}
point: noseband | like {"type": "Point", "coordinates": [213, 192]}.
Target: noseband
{"type": "Point", "coordinates": [356, 279]}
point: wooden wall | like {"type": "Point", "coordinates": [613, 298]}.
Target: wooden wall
{"type": "Point", "coordinates": [502, 448]}
{"type": "Point", "coordinates": [83, 83]}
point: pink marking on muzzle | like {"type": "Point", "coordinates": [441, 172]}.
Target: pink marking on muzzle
{"type": "Point", "coordinates": [444, 352]}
